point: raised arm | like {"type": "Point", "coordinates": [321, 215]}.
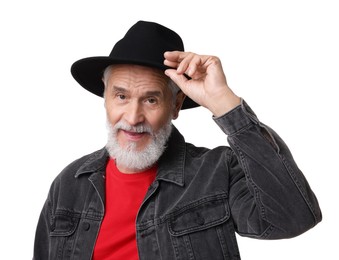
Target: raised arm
{"type": "Point", "coordinates": [269, 195]}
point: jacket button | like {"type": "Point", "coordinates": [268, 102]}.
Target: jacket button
{"type": "Point", "coordinates": [86, 226]}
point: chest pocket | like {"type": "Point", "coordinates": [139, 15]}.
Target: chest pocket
{"type": "Point", "coordinates": [204, 230]}
{"type": "Point", "coordinates": [63, 229]}
{"type": "Point", "coordinates": [199, 215]}
{"type": "Point", "coordinates": [64, 223]}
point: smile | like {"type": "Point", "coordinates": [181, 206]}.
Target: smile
{"type": "Point", "coordinates": [134, 136]}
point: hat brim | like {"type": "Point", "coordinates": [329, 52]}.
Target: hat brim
{"type": "Point", "coordinates": [88, 73]}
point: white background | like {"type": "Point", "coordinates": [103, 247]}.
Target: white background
{"type": "Point", "coordinates": [281, 56]}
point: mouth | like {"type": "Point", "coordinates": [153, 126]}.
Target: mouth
{"type": "Point", "coordinates": [134, 136]}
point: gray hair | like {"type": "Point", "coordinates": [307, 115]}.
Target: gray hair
{"type": "Point", "coordinates": [172, 86]}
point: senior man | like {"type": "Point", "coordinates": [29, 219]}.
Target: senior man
{"type": "Point", "coordinates": [150, 195]}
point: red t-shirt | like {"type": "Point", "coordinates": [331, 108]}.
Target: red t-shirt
{"type": "Point", "coordinates": [124, 195]}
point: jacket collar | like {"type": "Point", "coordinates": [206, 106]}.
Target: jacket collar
{"type": "Point", "coordinates": [96, 162]}
{"type": "Point", "coordinates": [170, 165]}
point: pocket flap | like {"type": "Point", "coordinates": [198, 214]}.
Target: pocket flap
{"type": "Point", "coordinates": [64, 223]}
{"type": "Point", "coordinates": [199, 215]}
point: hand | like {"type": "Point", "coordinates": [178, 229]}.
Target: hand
{"type": "Point", "coordinates": [207, 86]}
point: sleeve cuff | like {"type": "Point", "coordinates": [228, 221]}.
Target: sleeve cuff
{"type": "Point", "coordinates": [236, 119]}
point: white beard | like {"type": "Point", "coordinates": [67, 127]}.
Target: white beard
{"type": "Point", "coordinates": [129, 156]}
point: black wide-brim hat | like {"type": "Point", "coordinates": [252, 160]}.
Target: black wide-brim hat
{"type": "Point", "coordinates": [143, 44]}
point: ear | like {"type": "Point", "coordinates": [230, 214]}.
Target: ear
{"type": "Point", "coordinates": [179, 100]}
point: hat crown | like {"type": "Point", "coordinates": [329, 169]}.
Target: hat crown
{"type": "Point", "coordinates": [145, 44]}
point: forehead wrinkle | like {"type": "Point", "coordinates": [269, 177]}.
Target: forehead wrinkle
{"type": "Point", "coordinates": [137, 73]}
{"type": "Point", "coordinates": [143, 88]}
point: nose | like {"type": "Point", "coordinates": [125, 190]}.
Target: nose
{"type": "Point", "coordinates": [134, 113]}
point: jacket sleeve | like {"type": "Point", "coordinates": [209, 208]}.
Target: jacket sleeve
{"type": "Point", "coordinates": [269, 196]}
{"type": "Point", "coordinates": [42, 235]}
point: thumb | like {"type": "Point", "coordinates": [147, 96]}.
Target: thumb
{"type": "Point", "coordinates": [178, 79]}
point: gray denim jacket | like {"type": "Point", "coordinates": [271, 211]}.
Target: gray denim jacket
{"type": "Point", "coordinates": [199, 199]}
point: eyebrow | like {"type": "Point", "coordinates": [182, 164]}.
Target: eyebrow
{"type": "Point", "coordinates": [155, 93]}
{"type": "Point", "coordinates": [119, 89]}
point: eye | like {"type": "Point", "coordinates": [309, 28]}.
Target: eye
{"type": "Point", "coordinates": [121, 96]}
{"type": "Point", "coordinates": [152, 100]}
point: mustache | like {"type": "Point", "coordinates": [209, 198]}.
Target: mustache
{"type": "Point", "coordinates": [140, 128]}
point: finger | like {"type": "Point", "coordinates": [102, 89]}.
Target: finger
{"type": "Point", "coordinates": [193, 65]}
{"type": "Point", "coordinates": [179, 79]}
{"type": "Point", "coordinates": [171, 64]}
{"type": "Point", "coordinates": [185, 61]}
{"type": "Point", "coordinates": [173, 55]}
{"type": "Point", "coordinates": [172, 59]}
